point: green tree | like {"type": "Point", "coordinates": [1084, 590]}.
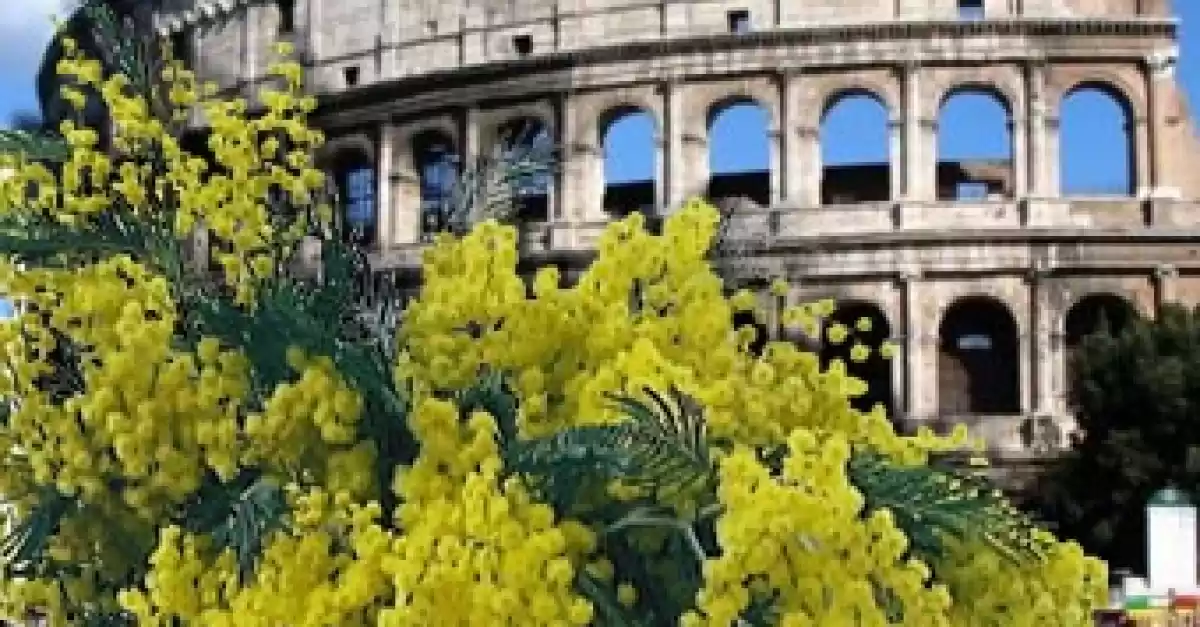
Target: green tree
{"type": "Point", "coordinates": [1137, 395]}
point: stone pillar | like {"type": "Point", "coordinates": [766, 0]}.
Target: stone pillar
{"type": "Point", "coordinates": [916, 166]}
{"type": "Point", "coordinates": [1166, 277]}
{"type": "Point", "coordinates": [390, 209]}
{"type": "Point", "coordinates": [895, 159]}
{"type": "Point", "coordinates": [673, 168]}
{"type": "Point", "coordinates": [694, 165]}
{"type": "Point", "coordinates": [1018, 128]}
{"type": "Point", "coordinates": [1037, 161]}
{"type": "Point", "coordinates": [251, 38]}
{"type": "Point", "coordinates": [572, 190]}
{"type": "Point", "coordinates": [914, 350]}
{"type": "Point", "coordinates": [1056, 365]}
{"type": "Point", "coordinates": [809, 168]}
{"type": "Point", "coordinates": [1159, 72]}
{"type": "Point", "coordinates": [1041, 328]}
{"type": "Point", "coordinates": [786, 144]}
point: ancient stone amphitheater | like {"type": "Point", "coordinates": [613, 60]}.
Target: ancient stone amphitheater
{"type": "Point", "coordinates": [984, 273]}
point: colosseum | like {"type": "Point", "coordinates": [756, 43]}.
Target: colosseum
{"type": "Point", "coordinates": [984, 273]}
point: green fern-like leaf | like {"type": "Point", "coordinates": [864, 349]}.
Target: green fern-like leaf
{"type": "Point", "coordinates": [930, 503]}
{"type": "Point", "coordinates": [33, 146]}
{"type": "Point", "coordinates": [27, 541]}
{"type": "Point", "coordinates": [660, 448]}
{"type": "Point", "coordinates": [239, 515]}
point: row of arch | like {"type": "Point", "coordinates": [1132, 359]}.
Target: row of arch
{"type": "Point", "coordinates": [975, 148]}
{"type": "Point", "coordinates": [978, 351]}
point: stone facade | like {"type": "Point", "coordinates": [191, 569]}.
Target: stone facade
{"type": "Point", "coordinates": [984, 297]}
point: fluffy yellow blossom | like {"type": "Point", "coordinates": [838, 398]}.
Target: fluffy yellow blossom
{"type": "Point", "coordinates": [126, 419]}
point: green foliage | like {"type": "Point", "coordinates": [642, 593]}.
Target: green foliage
{"type": "Point", "coordinates": [238, 515]}
{"type": "Point", "coordinates": [662, 449]}
{"type": "Point", "coordinates": [929, 503]}
{"type": "Point", "coordinates": [659, 449]}
{"type": "Point", "coordinates": [488, 188]}
{"type": "Point", "coordinates": [1137, 396]}
{"type": "Point", "coordinates": [33, 145]}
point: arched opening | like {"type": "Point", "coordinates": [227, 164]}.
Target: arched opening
{"type": "Point", "coordinates": [739, 152]}
{"type": "Point", "coordinates": [978, 359]}
{"type": "Point", "coordinates": [287, 16]}
{"type": "Point", "coordinates": [762, 334]}
{"type": "Point", "coordinates": [1096, 143]}
{"type": "Point", "coordinates": [630, 161]}
{"type": "Point", "coordinates": [354, 184]}
{"type": "Point", "coordinates": [868, 326]}
{"type": "Point", "coordinates": [1093, 314]}
{"type": "Point", "coordinates": [854, 150]}
{"type": "Point", "coordinates": [974, 143]}
{"type": "Point", "coordinates": [528, 141]}
{"type": "Point", "coordinates": [437, 163]}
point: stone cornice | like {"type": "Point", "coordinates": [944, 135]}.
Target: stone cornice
{"type": "Point", "coordinates": [558, 68]}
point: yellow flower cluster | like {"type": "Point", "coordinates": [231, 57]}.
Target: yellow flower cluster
{"type": "Point", "coordinates": [302, 419]}
{"type": "Point", "coordinates": [810, 515]}
{"type": "Point", "coordinates": [152, 415]}
{"type": "Point", "coordinates": [326, 570]}
{"type": "Point", "coordinates": [469, 535]}
{"type": "Point", "coordinates": [578, 343]}
{"type": "Point", "coordinates": [254, 160]}
{"type": "Point", "coordinates": [469, 543]}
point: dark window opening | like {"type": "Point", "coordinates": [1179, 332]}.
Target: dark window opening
{"type": "Point", "coordinates": [876, 369]}
{"type": "Point", "coordinates": [431, 27]}
{"type": "Point", "coordinates": [970, 9]}
{"type": "Point", "coordinates": [1097, 314]}
{"type": "Point", "coordinates": [523, 44]}
{"type": "Point", "coordinates": [762, 334]}
{"type": "Point", "coordinates": [739, 21]}
{"type": "Point", "coordinates": [350, 73]}
{"type": "Point", "coordinates": [978, 360]}
{"type": "Point", "coordinates": [528, 141]}
{"type": "Point", "coordinates": [181, 46]}
{"type": "Point", "coordinates": [437, 169]}
{"type": "Point", "coordinates": [287, 16]}
{"type": "Point", "coordinates": [357, 189]}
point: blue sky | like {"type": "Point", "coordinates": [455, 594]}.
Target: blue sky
{"type": "Point", "coordinates": [971, 126]}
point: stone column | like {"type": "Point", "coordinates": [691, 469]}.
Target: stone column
{"type": "Point", "coordinates": [895, 159]}
{"type": "Point", "coordinates": [694, 165]}
{"type": "Point", "coordinates": [1037, 161]}
{"type": "Point", "coordinates": [673, 172]}
{"type": "Point", "coordinates": [789, 163]}
{"type": "Point", "coordinates": [251, 37]}
{"type": "Point", "coordinates": [1159, 72]}
{"type": "Point", "coordinates": [1018, 130]}
{"type": "Point", "coordinates": [390, 210]}
{"type": "Point", "coordinates": [1041, 328]}
{"type": "Point", "coordinates": [1166, 277]}
{"type": "Point", "coordinates": [572, 190]}
{"type": "Point", "coordinates": [915, 165]}
{"type": "Point", "coordinates": [913, 350]}
{"type": "Point", "coordinates": [809, 168]}
{"type": "Point", "coordinates": [1056, 364]}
